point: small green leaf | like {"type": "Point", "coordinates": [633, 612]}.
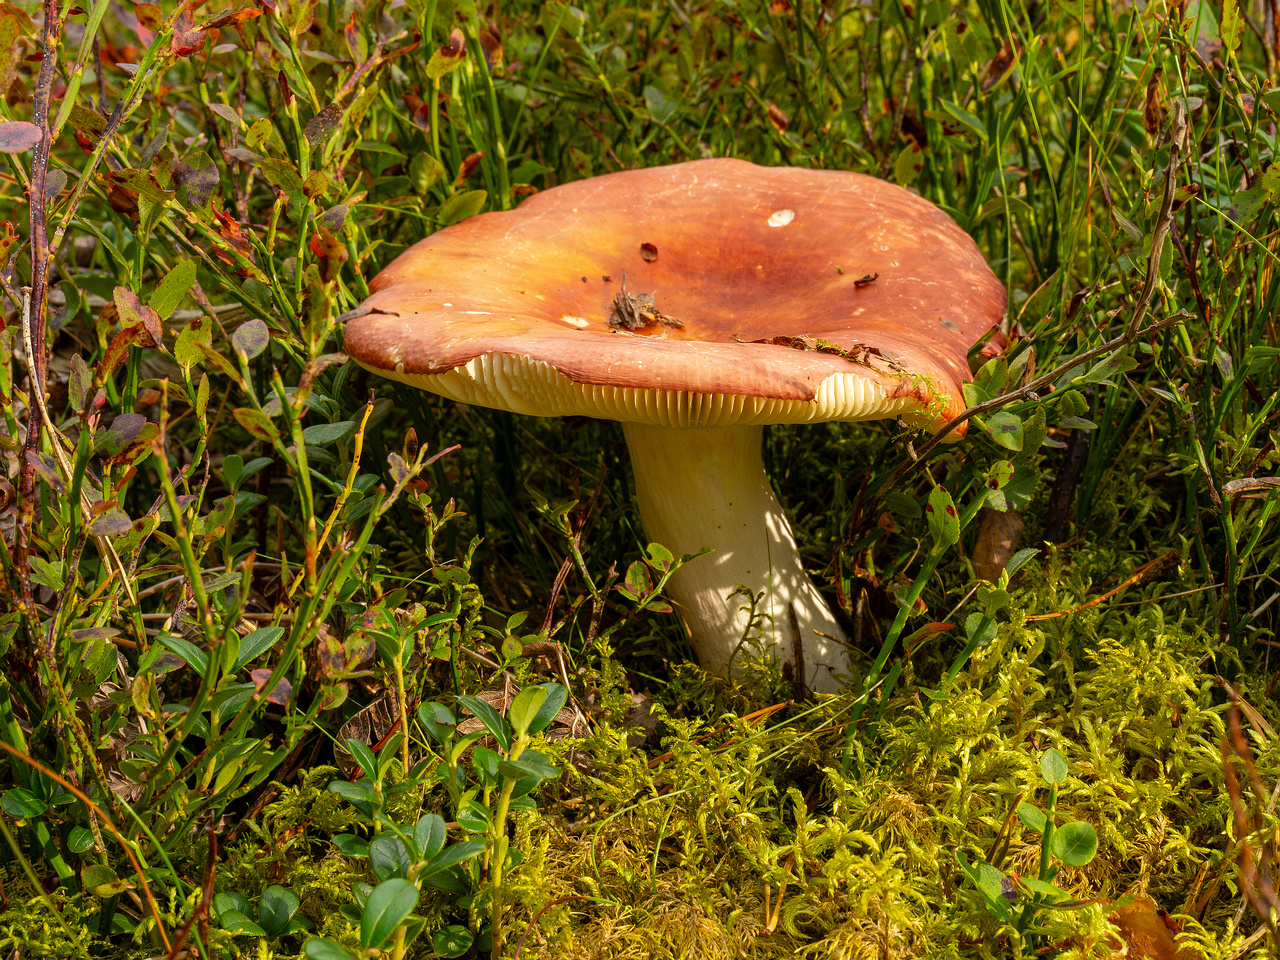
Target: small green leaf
{"type": "Point", "coordinates": [389, 857]}
{"type": "Point", "coordinates": [192, 655]}
{"type": "Point", "coordinates": [101, 881]}
{"type": "Point", "coordinates": [363, 756]}
{"type": "Point", "coordinates": [350, 845]}
{"type": "Point", "coordinates": [251, 338]}
{"type": "Point", "coordinates": [530, 764]}
{"type": "Point", "coordinates": [253, 645]}
{"type": "Point", "coordinates": [170, 290]}
{"type": "Point", "coordinates": [659, 557]}
{"type": "Point", "coordinates": [486, 764]}
{"type": "Point", "coordinates": [276, 909]}
{"type": "Point", "coordinates": [429, 835]}
{"type": "Point", "coordinates": [80, 839]}
{"type": "Point", "coordinates": [360, 791]}
{"type": "Point", "coordinates": [21, 804]}
{"type": "Point", "coordinates": [966, 119]}
{"type": "Point", "coordinates": [452, 941]}
{"type": "Point", "coordinates": [1005, 429]}
{"type": "Point", "coordinates": [387, 907]}
{"type": "Point", "coordinates": [659, 106]}
{"type": "Point", "coordinates": [321, 948]}
{"type": "Point", "coordinates": [1032, 817]}
{"type": "Point", "coordinates": [438, 720]}
{"type": "Point", "coordinates": [229, 900]}
{"type": "Point", "coordinates": [1053, 767]}
{"type": "Point", "coordinates": [473, 817]}
{"type": "Point", "coordinates": [1001, 473]}
{"type": "Point", "coordinates": [557, 696]}
{"type": "Point", "coordinates": [980, 629]}
{"type": "Point", "coordinates": [1075, 843]}
{"type": "Point", "coordinates": [237, 922]}
{"type": "Point", "coordinates": [424, 170]}
{"type": "Point", "coordinates": [524, 709]}
{"type": "Point", "coordinates": [452, 855]}
{"type": "Point", "coordinates": [461, 206]}
{"type": "Point", "coordinates": [1044, 888]}
{"type": "Point", "coordinates": [323, 434]}
{"type": "Point", "coordinates": [1112, 366]}
{"type": "Point", "coordinates": [944, 520]}
{"type": "Point", "coordinates": [491, 719]}
{"type": "Point", "coordinates": [1019, 560]}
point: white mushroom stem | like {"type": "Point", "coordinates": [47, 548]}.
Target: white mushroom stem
{"type": "Point", "coordinates": [706, 487]}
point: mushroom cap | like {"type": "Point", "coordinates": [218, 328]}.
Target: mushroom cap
{"type": "Point", "coordinates": [768, 271]}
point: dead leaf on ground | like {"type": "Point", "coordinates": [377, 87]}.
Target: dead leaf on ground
{"type": "Point", "coordinates": [1147, 933]}
{"type": "Point", "coordinates": [998, 538]}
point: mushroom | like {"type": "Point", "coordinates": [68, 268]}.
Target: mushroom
{"type": "Point", "coordinates": [696, 303]}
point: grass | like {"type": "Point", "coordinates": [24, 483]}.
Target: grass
{"type": "Point", "coordinates": [235, 566]}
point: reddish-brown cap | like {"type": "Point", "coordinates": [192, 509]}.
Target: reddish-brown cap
{"type": "Point", "coordinates": [778, 295]}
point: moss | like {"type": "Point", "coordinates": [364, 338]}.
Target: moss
{"type": "Point", "coordinates": [675, 859]}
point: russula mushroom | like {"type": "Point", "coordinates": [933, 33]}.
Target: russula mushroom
{"type": "Point", "coordinates": [753, 296]}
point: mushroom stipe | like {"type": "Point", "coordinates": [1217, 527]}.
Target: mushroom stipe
{"type": "Point", "coordinates": [767, 270]}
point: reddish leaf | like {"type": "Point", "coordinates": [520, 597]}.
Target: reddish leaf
{"type": "Point", "coordinates": [18, 136]}
{"type": "Point", "coordinates": [779, 119]}
{"type": "Point", "coordinates": [187, 37]}
{"type": "Point", "coordinates": [47, 469]}
{"type": "Point", "coordinates": [492, 48]}
{"type": "Point", "coordinates": [331, 252]}
{"type": "Point", "coordinates": [150, 18]}
{"type": "Point", "coordinates": [234, 18]}
{"type": "Point", "coordinates": [133, 312]}
{"type": "Point", "coordinates": [449, 57]}
{"type": "Point", "coordinates": [418, 111]}
{"type": "Point", "coordinates": [279, 694]}
{"type": "Point", "coordinates": [235, 237]}
{"type": "Point", "coordinates": [129, 336]}
{"type": "Point", "coordinates": [469, 166]}
{"type": "Point", "coordinates": [352, 34]}
{"type": "Point", "coordinates": [195, 180]}
{"type": "Point", "coordinates": [112, 523]}
{"type": "Point", "coordinates": [323, 123]}
{"type": "Point", "coordinates": [123, 430]}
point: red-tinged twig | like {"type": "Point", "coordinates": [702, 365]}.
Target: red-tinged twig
{"type": "Point", "coordinates": [201, 913]}
{"type": "Point", "coordinates": [35, 307]}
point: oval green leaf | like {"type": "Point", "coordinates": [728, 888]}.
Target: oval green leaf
{"type": "Point", "coordinates": [277, 908]}
{"type": "Point", "coordinates": [387, 907]}
{"type": "Point", "coordinates": [1053, 767]}
{"type": "Point", "coordinates": [1075, 844]}
{"type": "Point", "coordinates": [524, 708]}
{"type": "Point", "coordinates": [321, 948]}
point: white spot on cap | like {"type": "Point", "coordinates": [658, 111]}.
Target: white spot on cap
{"type": "Point", "coordinates": [578, 322]}
{"type": "Point", "coordinates": [446, 304]}
{"type": "Point", "coordinates": [780, 218]}
{"type": "Point", "coordinates": [394, 354]}
{"type": "Point", "coordinates": [478, 313]}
